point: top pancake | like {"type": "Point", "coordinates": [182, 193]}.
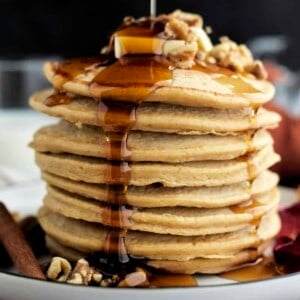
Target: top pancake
{"type": "Point", "coordinates": [209, 86]}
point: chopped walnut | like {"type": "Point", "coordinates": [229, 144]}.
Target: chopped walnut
{"type": "Point", "coordinates": [75, 279]}
{"type": "Point", "coordinates": [257, 69]}
{"type": "Point", "coordinates": [106, 282]}
{"type": "Point", "coordinates": [183, 57]}
{"type": "Point", "coordinates": [59, 269]}
{"type": "Point", "coordinates": [129, 20]}
{"type": "Point", "coordinates": [83, 273]}
{"type": "Point", "coordinates": [97, 277]}
{"type": "Point", "coordinates": [208, 29]}
{"type": "Point", "coordinates": [187, 43]}
{"type": "Point", "coordinates": [137, 278]}
{"type": "Point", "coordinates": [200, 57]}
{"type": "Point", "coordinates": [188, 18]}
{"type": "Point", "coordinates": [177, 29]}
{"type": "Point", "coordinates": [230, 55]}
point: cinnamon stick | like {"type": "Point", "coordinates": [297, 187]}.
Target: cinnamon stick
{"type": "Point", "coordinates": [15, 244]}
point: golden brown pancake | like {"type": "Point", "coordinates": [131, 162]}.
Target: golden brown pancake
{"type": "Point", "coordinates": [159, 196]}
{"type": "Point", "coordinates": [165, 220]}
{"type": "Point", "coordinates": [65, 137]}
{"type": "Point", "coordinates": [90, 237]}
{"type": "Point", "coordinates": [204, 173]}
{"type": "Point", "coordinates": [196, 265]}
{"type": "Point", "coordinates": [160, 117]}
{"type": "Point", "coordinates": [199, 87]}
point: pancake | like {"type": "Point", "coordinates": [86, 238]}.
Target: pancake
{"type": "Point", "coordinates": [205, 173]}
{"type": "Point", "coordinates": [90, 237]}
{"type": "Point", "coordinates": [166, 220]}
{"type": "Point", "coordinates": [203, 86]}
{"type": "Point", "coordinates": [65, 137]}
{"type": "Point", "coordinates": [196, 265]}
{"type": "Point", "coordinates": [159, 117]}
{"type": "Point", "coordinates": [210, 265]}
{"type": "Point", "coordinates": [158, 196]}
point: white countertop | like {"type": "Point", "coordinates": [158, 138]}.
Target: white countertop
{"type": "Point", "coordinates": [16, 130]}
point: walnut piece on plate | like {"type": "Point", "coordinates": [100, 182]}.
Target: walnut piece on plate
{"type": "Point", "coordinates": [59, 269]}
{"type": "Point", "coordinates": [83, 274]}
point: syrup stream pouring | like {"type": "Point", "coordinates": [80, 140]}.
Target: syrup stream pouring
{"type": "Point", "coordinates": [152, 8]}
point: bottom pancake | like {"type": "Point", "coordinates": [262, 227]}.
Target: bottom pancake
{"type": "Point", "coordinates": [197, 265]}
{"type": "Point", "coordinates": [91, 237]}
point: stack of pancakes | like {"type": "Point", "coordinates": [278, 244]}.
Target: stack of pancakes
{"type": "Point", "coordinates": [199, 197]}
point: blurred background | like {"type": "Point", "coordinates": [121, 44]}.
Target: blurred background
{"type": "Point", "coordinates": [34, 31]}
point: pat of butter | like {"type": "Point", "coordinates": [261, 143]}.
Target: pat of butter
{"type": "Point", "coordinates": [129, 44]}
{"type": "Point", "coordinates": [138, 45]}
{"type": "Point", "coordinates": [204, 42]}
{"type": "Point", "coordinates": [145, 45]}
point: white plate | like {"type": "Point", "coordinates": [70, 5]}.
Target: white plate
{"type": "Point", "coordinates": [26, 198]}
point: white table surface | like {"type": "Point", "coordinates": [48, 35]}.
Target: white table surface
{"type": "Point", "coordinates": [16, 158]}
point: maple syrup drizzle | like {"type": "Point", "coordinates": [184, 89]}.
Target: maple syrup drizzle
{"type": "Point", "coordinates": [70, 69]}
{"type": "Point", "coordinates": [146, 28]}
{"type": "Point", "coordinates": [252, 168]}
{"type": "Point", "coordinates": [116, 114]}
{"type": "Point", "coordinates": [249, 135]}
{"type": "Point", "coordinates": [253, 116]}
{"type": "Point", "coordinates": [172, 280]}
{"type": "Point", "coordinates": [262, 269]}
{"type": "Point", "coordinates": [245, 206]}
{"type": "Point", "coordinates": [248, 186]}
{"type": "Point", "coordinates": [248, 138]}
{"type": "Point", "coordinates": [227, 77]}
{"type": "Point", "coordinates": [57, 98]}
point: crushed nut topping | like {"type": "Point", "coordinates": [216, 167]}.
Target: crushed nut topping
{"type": "Point", "coordinates": [180, 26]}
{"type": "Point", "coordinates": [137, 278]}
{"type": "Point", "coordinates": [208, 30]}
{"type": "Point", "coordinates": [230, 55]}
{"type": "Point", "coordinates": [257, 69]}
{"type": "Point", "coordinates": [179, 30]}
{"type": "Point", "coordinates": [189, 18]}
{"type": "Point", "coordinates": [82, 273]}
{"type": "Point", "coordinates": [59, 269]}
{"type": "Point", "coordinates": [184, 56]}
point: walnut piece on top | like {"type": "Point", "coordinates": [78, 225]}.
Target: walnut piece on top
{"type": "Point", "coordinates": [189, 18]}
{"type": "Point", "coordinates": [230, 55]}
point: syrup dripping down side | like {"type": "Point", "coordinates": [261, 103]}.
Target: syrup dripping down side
{"type": "Point", "coordinates": [264, 268]}
{"type": "Point", "coordinates": [67, 71]}
{"type": "Point", "coordinates": [139, 77]}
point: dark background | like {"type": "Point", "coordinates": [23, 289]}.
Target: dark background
{"type": "Point", "coordinates": [71, 28]}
